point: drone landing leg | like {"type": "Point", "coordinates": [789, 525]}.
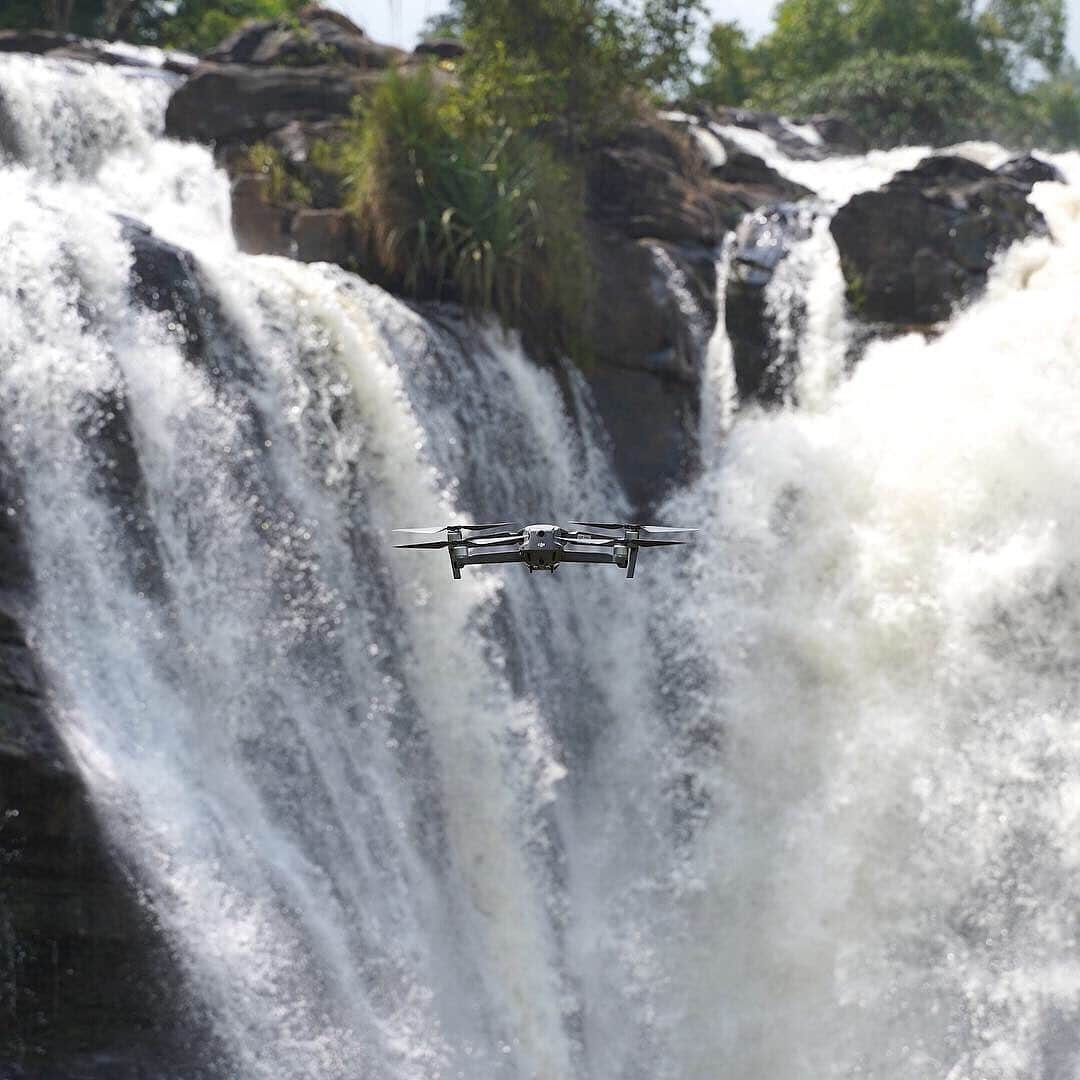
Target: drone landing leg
{"type": "Point", "coordinates": [631, 563]}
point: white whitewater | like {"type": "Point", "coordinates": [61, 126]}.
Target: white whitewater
{"type": "Point", "coordinates": [886, 876]}
{"type": "Point", "coordinates": [800, 804]}
{"type": "Point", "coordinates": [369, 802]}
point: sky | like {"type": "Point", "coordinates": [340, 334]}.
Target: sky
{"type": "Point", "coordinates": [397, 22]}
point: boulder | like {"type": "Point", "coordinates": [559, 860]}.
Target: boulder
{"type": "Point", "coordinates": [92, 52]}
{"type": "Point", "coordinates": [762, 241]}
{"type": "Point", "coordinates": [236, 102]}
{"type": "Point", "coordinates": [748, 176]}
{"type": "Point", "coordinates": [260, 226]}
{"type": "Point", "coordinates": [89, 986]}
{"type": "Point", "coordinates": [841, 135]}
{"type": "Point", "coordinates": [1030, 170]}
{"type": "Point", "coordinates": [316, 38]}
{"type": "Point", "coordinates": [653, 312]}
{"type": "Point", "coordinates": [441, 49]}
{"type": "Point", "coordinates": [649, 182]}
{"type": "Point", "coordinates": [34, 41]}
{"type": "Point", "coordinates": [323, 236]}
{"type": "Point", "coordinates": [924, 242]}
{"type": "Point", "coordinates": [782, 131]}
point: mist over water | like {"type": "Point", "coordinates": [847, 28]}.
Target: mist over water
{"type": "Point", "coordinates": [799, 802]}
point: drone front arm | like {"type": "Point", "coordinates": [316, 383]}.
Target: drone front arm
{"type": "Point", "coordinates": [594, 556]}
{"type": "Point", "coordinates": [487, 558]}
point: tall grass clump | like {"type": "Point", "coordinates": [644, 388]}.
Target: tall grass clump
{"type": "Point", "coordinates": [459, 208]}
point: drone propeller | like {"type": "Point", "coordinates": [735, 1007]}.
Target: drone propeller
{"type": "Point", "coordinates": [485, 541]}
{"type": "Point", "coordinates": [596, 541]}
{"type": "Point", "coordinates": [649, 530]}
{"type": "Point", "coordinates": [430, 546]}
{"type": "Point", "coordinates": [464, 528]}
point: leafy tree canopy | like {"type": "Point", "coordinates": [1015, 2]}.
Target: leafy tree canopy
{"type": "Point", "coordinates": [1001, 39]}
{"type": "Point", "coordinates": [183, 24]}
{"type": "Point", "coordinates": [570, 64]}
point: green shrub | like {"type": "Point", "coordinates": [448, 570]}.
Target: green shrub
{"type": "Point", "coordinates": [458, 210]}
{"type": "Point", "coordinates": [923, 98]}
{"type": "Point", "coordinates": [283, 187]}
{"type": "Point", "coordinates": [1054, 108]}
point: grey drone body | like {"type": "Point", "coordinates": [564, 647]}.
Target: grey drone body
{"type": "Point", "coordinates": [545, 547]}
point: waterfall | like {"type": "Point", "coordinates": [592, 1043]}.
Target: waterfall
{"type": "Point", "coordinates": [881, 726]}
{"type": "Point", "coordinates": [367, 801]}
{"type": "Point", "coordinates": [797, 803]}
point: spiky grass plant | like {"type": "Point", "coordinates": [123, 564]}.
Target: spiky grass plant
{"type": "Point", "coordinates": [476, 213]}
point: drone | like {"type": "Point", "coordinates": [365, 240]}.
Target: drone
{"type": "Point", "coordinates": [544, 547]}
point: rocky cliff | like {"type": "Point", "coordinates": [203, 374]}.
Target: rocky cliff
{"type": "Point", "coordinates": [88, 985]}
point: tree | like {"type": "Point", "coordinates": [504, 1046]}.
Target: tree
{"type": "Point", "coordinates": [1025, 31]}
{"type": "Point", "coordinates": [732, 70]}
{"type": "Point", "coordinates": [810, 38]}
{"type": "Point", "coordinates": [665, 32]}
{"type": "Point", "coordinates": [558, 64]}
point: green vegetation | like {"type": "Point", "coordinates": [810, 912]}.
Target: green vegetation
{"type": "Point", "coordinates": [909, 99]}
{"type": "Point", "coordinates": [470, 211]}
{"type": "Point", "coordinates": [907, 70]}
{"type": "Point", "coordinates": [572, 70]}
{"type": "Point", "coordinates": [283, 186]}
{"type": "Point", "coordinates": [181, 24]}
{"type": "Point", "coordinates": [466, 180]}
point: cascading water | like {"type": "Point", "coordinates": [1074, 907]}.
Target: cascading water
{"type": "Point", "coordinates": [884, 728]}
{"type": "Point", "coordinates": [799, 805]}
{"type": "Point", "coordinates": [368, 801]}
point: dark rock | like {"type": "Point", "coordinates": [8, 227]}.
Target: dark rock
{"type": "Point", "coordinates": [180, 63]}
{"type": "Point", "coordinates": [762, 242]}
{"type": "Point", "coordinates": [840, 134]}
{"type": "Point", "coordinates": [758, 181]}
{"type": "Point", "coordinates": [318, 37]}
{"type": "Point", "coordinates": [88, 987]}
{"type": "Point", "coordinates": [776, 127]}
{"type": "Point", "coordinates": [323, 235]}
{"type": "Point", "coordinates": [913, 249]}
{"type": "Point", "coordinates": [649, 183]}
{"type": "Point", "coordinates": [34, 41]}
{"type": "Point", "coordinates": [260, 226]}
{"type": "Point", "coordinates": [653, 311]}
{"type": "Point", "coordinates": [652, 422]}
{"type": "Point", "coordinates": [92, 53]}
{"type": "Point", "coordinates": [442, 48]}
{"type": "Point", "coordinates": [239, 46]}
{"type": "Point", "coordinates": [1030, 170]}
{"type": "Point", "coordinates": [237, 102]}
{"type": "Point", "coordinates": [164, 278]}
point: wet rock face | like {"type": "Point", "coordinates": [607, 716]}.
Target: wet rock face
{"type": "Point", "coordinates": [783, 132]}
{"type": "Point", "coordinates": [34, 42]}
{"type": "Point", "coordinates": [59, 46]}
{"type": "Point", "coordinates": [232, 102]}
{"type": "Point", "coordinates": [652, 237]}
{"type": "Point", "coordinates": [653, 311]}
{"type": "Point", "coordinates": [87, 986]}
{"type": "Point", "coordinates": [762, 242]}
{"type": "Point", "coordinates": [923, 243]}
{"type": "Point", "coordinates": [650, 183]}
